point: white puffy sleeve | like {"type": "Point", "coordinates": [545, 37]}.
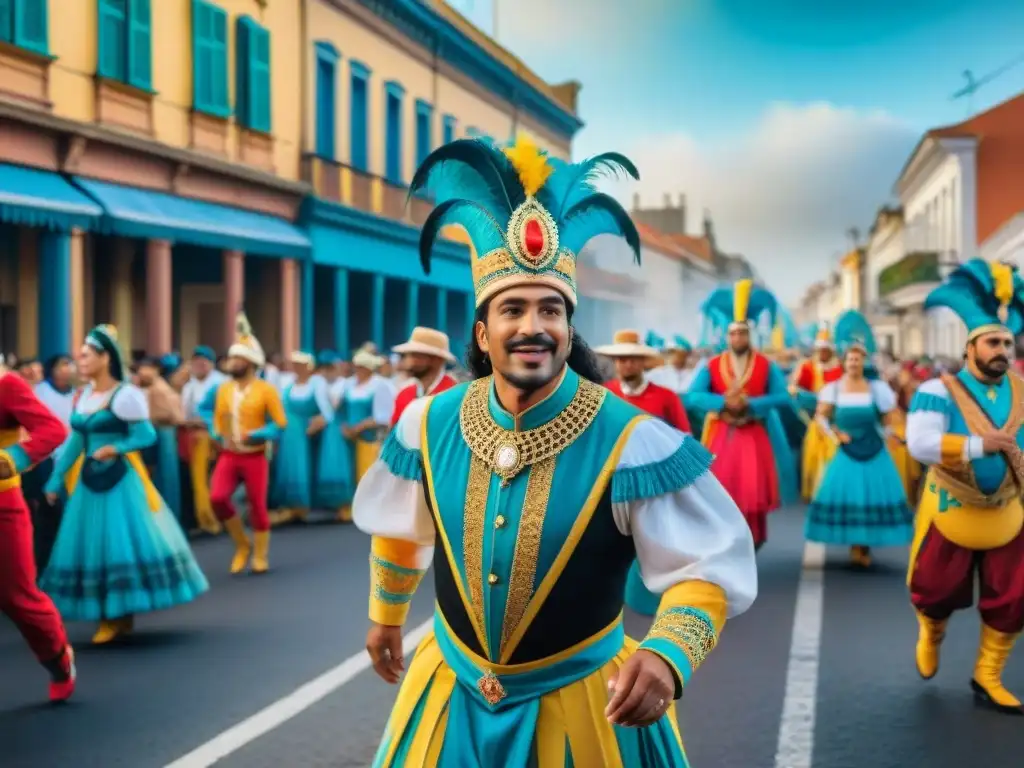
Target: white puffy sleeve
{"type": "Point", "coordinates": [693, 545]}
{"type": "Point", "coordinates": [130, 404]}
{"type": "Point", "coordinates": [882, 395]}
{"type": "Point", "coordinates": [390, 505]}
{"type": "Point", "coordinates": [928, 438]}
{"type": "Point", "coordinates": [829, 394]}
{"type": "Point", "coordinates": [384, 403]}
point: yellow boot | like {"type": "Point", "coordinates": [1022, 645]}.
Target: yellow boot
{"type": "Point", "coordinates": [106, 632]}
{"type": "Point", "coordinates": [243, 547]}
{"type": "Point", "coordinates": [929, 638]}
{"type": "Point", "coordinates": [260, 561]}
{"type": "Point", "coordinates": [987, 683]}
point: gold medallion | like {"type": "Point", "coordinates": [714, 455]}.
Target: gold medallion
{"type": "Point", "coordinates": [491, 689]}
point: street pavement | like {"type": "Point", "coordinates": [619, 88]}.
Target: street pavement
{"type": "Point", "coordinates": [189, 674]}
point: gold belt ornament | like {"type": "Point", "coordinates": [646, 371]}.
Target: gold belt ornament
{"type": "Point", "coordinates": [491, 689]}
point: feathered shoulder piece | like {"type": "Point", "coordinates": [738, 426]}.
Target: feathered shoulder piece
{"type": "Point", "coordinates": [987, 296]}
{"type": "Point", "coordinates": [851, 330]}
{"type": "Point", "coordinates": [527, 214]}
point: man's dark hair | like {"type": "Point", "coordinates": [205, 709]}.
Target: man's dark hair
{"type": "Point", "coordinates": [581, 357]}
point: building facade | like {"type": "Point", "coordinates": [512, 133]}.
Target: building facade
{"type": "Point", "coordinates": [385, 83]}
{"type": "Point", "coordinates": [253, 153]}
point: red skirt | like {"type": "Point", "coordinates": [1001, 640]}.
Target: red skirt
{"type": "Point", "coordinates": [745, 466]}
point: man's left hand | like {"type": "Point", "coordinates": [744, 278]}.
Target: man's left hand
{"type": "Point", "coordinates": [641, 692]}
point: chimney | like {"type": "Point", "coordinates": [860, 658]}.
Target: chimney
{"type": "Point", "coordinates": [636, 202]}
{"type": "Point", "coordinates": [668, 202]}
{"type": "Point", "coordinates": [682, 214]}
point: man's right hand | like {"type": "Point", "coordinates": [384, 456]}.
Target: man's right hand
{"type": "Point", "coordinates": [384, 644]}
{"type": "Point", "coordinates": [997, 442]}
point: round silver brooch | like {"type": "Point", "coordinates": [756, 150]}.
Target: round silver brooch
{"type": "Point", "coordinates": [506, 458]}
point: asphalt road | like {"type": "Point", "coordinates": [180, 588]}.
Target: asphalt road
{"type": "Point", "coordinates": [188, 675]}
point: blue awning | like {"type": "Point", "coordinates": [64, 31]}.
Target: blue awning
{"type": "Point", "coordinates": [145, 214]}
{"type": "Point", "coordinates": [32, 197]}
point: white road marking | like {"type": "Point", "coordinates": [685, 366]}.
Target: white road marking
{"type": "Point", "coordinates": [284, 709]}
{"type": "Point", "coordinates": [796, 731]}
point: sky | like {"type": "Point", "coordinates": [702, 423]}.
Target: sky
{"type": "Point", "coordinates": [789, 120]}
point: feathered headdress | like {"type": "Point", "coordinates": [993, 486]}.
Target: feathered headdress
{"type": "Point", "coordinates": [823, 336]}
{"type": "Point", "coordinates": [784, 334]}
{"type": "Point", "coordinates": [246, 345]}
{"type": "Point", "coordinates": [853, 331]}
{"type": "Point", "coordinates": [986, 296]}
{"type": "Point", "coordinates": [679, 343]}
{"type": "Point", "coordinates": [103, 338]}
{"type": "Point", "coordinates": [527, 215]}
{"type": "Point", "coordinates": [655, 341]}
{"type": "Point", "coordinates": [742, 304]}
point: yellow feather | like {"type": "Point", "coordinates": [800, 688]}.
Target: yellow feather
{"type": "Point", "coordinates": [741, 300]}
{"type": "Point", "coordinates": [242, 328]}
{"type": "Point", "coordinates": [530, 163]}
{"type": "Point", "coordinates": [778, 338]}
{"type": "Point", "coordinates": [1002, 279]}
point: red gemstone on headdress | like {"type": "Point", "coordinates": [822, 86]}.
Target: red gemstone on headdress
{"type": "Point", "coordinates": [533, 237]}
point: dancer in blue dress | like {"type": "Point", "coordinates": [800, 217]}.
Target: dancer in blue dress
{"type": "Point", "coordinates": [119, 551]}
{"type": "Point", "coordinates": [335, 464]}
{"type": "Point", "coordinates": [308, 410]}
{"type": "Point", "coordinates": [860, 501]}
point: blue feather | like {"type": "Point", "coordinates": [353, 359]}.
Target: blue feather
{"type": "Point", "coordinates": [597, 214]}
{"type": "Point", "coordinates": [852, 327]}
{"type": "Point", "coordinates": [570, 183]}
{"type": "Point", "coordinates": [484, 232]}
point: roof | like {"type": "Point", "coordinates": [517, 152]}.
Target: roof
{"type": "Point", "coordinates": [696, 246]}
{"type": "Point", "coordinates": [658, 241]}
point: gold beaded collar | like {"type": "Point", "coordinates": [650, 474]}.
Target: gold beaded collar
{"type": "Point", "coordinates": [507, 452]}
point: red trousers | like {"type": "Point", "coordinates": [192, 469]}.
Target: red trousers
{"type": "Point", "coordinates": [943, 576]}
{"type": "Point", "coordinates": [21, 600]}
{"type": "Point", "coordinates": [249, 469]}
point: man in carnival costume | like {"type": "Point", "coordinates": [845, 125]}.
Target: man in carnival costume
{"type": "Point", "coordinates": [198, 402]}
{"type": "Point", "coordinates": [677, 373]}
{"type": "Point", "coordinates": [424, 357]}
{"type": "Point", "coordinates": [824, 367]}
{"type": "Point", "coordinates": [741, 390]}
{"type": "Point", "coordinates": [248, 416]}
{"type": "Point", "coordinates": [31, 611]}
{"type": "Point", "coordinates": [967, 428]}
{"type": "Point", "coordinates": [531, 487]}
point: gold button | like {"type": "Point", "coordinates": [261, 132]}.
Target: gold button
{"type": "Point", "coordinates": [492, 579]}
{"type": "Point", "coordinates": [499, 521]}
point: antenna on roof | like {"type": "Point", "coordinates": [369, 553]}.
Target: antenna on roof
{"type": "Point", "coordinates": [974, 84]}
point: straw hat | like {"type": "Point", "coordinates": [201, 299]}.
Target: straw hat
{"type": "Point", "coordinates": [427, 341]}
{"type": "Point", "coordinates": [364, 359]}
{"type": "Point", "coordinates": [627, 344]}
{"type": "Point", "coordinates": [303, 358]}
{"type": "Point", "coordinates": [246, 345]}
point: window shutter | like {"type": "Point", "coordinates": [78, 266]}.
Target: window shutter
{"type": "Point", "coordinates": [219, 61]}
{"type": "Point", "coordinates": [31, 26]}
{"type": "Point", "coordinates": [7, 20]}
{"type": "Point", "coordinates": [259, 80]}
{"type": "Point", "coordinates": [200, 56]}
{"type": "Point", "coordinates": [243, 46]}
{"type": "Point", "coordinates": [110, 43]}
{"type": "Point", "coordinates": [140, 45]}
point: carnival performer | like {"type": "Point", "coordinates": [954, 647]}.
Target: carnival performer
{"type": "Point", "coordinates": [29, 433]}
{"type": "Point", "coordinates": [248, 417]}
{"type": "Point", "coordinates": [424, 357]}
{"type": "Point", "coordinates": [120, 551]}
{"type": "Point", "coordinates": [539, 486]}
{"type": "Point", "coordinates": [741, 391]}
{"type": "Point", "coordinates": [198, 400]}
{"type": "Point", "coordinates": [677, 372]}
{"type": "Point", "coordinates": [369, 403]}
{"type": "Point", "coordinates": [860, 501]}
{"type": "Point", "coordinates": [166, 414]}
{"type": "Point", "coordinates": [335, 474]}
{"type": "Point", "coordinates": [633, 386]}
{"type": "Point", "coordinates": [967, 428]}
{"type": "Point", "coordinates": [805, 384]}
{"type": "Point", "coordinates": [308, 411]}
{"type": "Point", "coordinates": [910, 469]}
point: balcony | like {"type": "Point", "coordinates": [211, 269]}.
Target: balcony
{"type": "Point", "coordinates": [343, 184]}
{"type": "Point", "coordinates": [910, 279]}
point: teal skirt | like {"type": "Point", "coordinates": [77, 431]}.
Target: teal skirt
{"type": "Point", "coordinates": [167, 477]}
{"type": "Point", "coordinates": [115, 557]}
{"type": "Point", "coordinates": [292, 477]}
{"type": "Point", "coordinates": [335, 476]}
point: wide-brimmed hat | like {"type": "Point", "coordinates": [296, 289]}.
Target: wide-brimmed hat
{"type": "Point", "coordinates": [302, 358]}
{"type": "Point", "coordinates": [427, 341]}
{"type": "Point", "coordinates": [364, 359]}
{"type": "Point", "coordinates": [627, 344]}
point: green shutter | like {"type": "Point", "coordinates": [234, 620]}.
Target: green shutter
{"type": "Point", "coordinates": [243, 44]}
{"type": "Point", "coordinates": [259, 80]}
{"type": "Point", "coordinates": [200, 56]}
{"type": "Point", "coordinates": [7, 20]}
{"type": "Point", "coordinates": [219, 62]}
{"type": "Point", "coordinates": [210, 62]}
{"type": "Point", "coordinates": [110, 39]}
{"type": "Point", "coordinates": [140, 45]}
{"type": "Point", "coordinates": [31, 26]}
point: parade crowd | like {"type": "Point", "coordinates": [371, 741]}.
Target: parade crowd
{"type": "Point", "coordinates": [641, 472]}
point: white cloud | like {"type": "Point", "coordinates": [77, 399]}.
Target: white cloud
{"type": "Point", "coordinates": [785, 193]}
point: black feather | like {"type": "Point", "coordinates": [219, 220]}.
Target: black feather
{"type": "Point", "coordinates": [601, 203]}
{"type": "Point", "coordinates": [494, 168]}
{"type": "Point", "coordinates": [583, 174]}
{"type": "Point", "coordinates": [471, 216]}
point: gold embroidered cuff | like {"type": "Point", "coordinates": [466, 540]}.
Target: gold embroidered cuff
{"type": "Point", "coordinates": [951, 450]}
{"type": "Point", "coordinates": [392, 584]}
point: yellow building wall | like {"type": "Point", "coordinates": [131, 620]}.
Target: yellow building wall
{"type": "Point", "coordinates": [389, 62]}
{"type": "Point", "coordinates": [73, 40]}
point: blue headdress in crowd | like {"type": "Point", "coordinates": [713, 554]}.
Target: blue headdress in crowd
{"type": "Point", "coordinates": [740, 305]}
{"type": "Point", "coordinates": [527, 215]}
{"type": "Point", "coordinates": [986, 296]}
{"type": "Point", "coordinates": [679, 343]}
{"type": "Point", "coordinates": [853, 331]}
{"type": "Point", "coordinates": [654, 341]}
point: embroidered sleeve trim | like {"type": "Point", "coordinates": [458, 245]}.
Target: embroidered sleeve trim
{"type": "Point", "coordinates": [683, 637]}
{"type": "Point", "coordinates": [951, 450]}
{"type": "Point", "coordinates": [391, 589]}
{"type": "Point", "coordinates": [670, 475]}
{"type": "Point", "coordinates": [406, 463]}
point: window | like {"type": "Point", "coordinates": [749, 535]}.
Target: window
{"type": "Point", "coordinates": [360, 110]}
{"type": "Point", "coordinates": [210, 59]}
{"type": "Point", "coordinates": [124, 42]}
{"type": "Point", "coordinates": [252, 75]}
{"type": "Point", "coordinates": [24, 23]}
{"type": "Point", "coordinates": [424, 132]}
{"type": "Point", "coordinates": [448, 130]}
{"type": "Point", "coordinates": [393, 116]}
{"type": "Point", "coordinates": [326, 99]}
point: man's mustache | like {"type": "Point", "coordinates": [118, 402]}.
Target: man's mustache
{"type": "Point", "coordinates": [1000, 359]}
{"type": "Point", "coordinates": [541, 340]}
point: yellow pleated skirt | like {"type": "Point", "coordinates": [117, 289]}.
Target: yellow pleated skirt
{"type": "Point", "coordinates": [818, 450]}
